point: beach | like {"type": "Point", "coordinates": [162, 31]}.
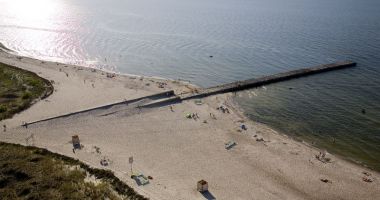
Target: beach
{"type": "Point", "coordinates": [174, 150]}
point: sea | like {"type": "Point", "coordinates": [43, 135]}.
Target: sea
{"type": "Point", "coordinates": [211, 42]}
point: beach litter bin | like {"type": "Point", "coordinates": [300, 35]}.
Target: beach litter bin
{"type": "Point", "coordinates": [202, 186]}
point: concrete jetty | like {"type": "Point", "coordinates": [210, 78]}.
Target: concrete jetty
{"type": "Point", "coordinates": [251, 83]}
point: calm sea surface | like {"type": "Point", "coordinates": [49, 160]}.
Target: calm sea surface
{"type": "Point", "coordinates": [247, 38]}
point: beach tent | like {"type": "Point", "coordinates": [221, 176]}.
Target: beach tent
{"type": "Point", "coordinates": [76, 142]}
{"type": "Point", "coordinates": [202, 186]}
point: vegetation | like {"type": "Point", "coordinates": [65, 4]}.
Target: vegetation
{"type": "Point", "coordinates": [19, 89]}
{"type": "Point", "coordinates": [35, 173]}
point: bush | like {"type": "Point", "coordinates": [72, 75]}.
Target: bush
{"type": "Point", "coordinates": [18, 88]}
{"type": "Point", "coordinates": [3, 108]}
{"type": "Point", "coordinates": [26, 95]}
{"type": "Point", "coordinates": [34, 82]}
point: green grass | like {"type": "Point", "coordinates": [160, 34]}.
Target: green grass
{"type": "Point", "coordinates": [24, 173]}
{"type": "Point", "coordinates": [34, 173]}
{"type": "Point", "coordinates": [19, 89]}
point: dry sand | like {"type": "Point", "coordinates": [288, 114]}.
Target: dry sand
{"type": "Point", "coordinates": [174, 150]}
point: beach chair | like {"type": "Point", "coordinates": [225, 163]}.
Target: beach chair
{"type": "Point", "coordinates": [141, 179]}
{"type": "Point", "coordinates": [229, 145]}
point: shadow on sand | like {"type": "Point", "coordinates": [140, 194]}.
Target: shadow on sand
{"type": "Point", "coordinates": [208, 195]}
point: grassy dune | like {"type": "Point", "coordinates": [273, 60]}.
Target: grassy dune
{"type": "Point", "coordinates": [35, 173]}
{"type": "Point", "coordinates": [19, 89]}
{"type": "Point", "coordinates": [29, 173]}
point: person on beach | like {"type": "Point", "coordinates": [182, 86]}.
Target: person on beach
{"type": "Point", "coordinates": [139, 107]}
{"type": "Point", "coordinates": [5, 127]}
{"type": "Point", "coordinates": [212, 116]}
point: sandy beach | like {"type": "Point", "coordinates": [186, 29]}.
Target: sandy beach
{"type": "Point", "coordinates": [175, 150]}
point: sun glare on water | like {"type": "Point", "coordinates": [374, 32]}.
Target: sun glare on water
{"type": "Point", "coordinates": [33, 12]}
{"type": "Point", "coordinates": [44, 29]}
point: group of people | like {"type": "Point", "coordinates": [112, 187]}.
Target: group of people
{"type": "Point", "coordinates": [161, 84]}
{"type": "Point", "coordinates": [104, 161]}
{"type": "Point", "coordinates": [223, 109]}
{"type": "Point", "coordinates": [194, 116]}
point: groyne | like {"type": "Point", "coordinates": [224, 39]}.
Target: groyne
{"type": "Point", "coordinates": [161, 95]}
{"type": "Point", "coordinates": [251, 83]}
{"type": "Point", "coordinates": [168, 97]}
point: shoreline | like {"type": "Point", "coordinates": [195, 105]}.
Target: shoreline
{"type": "Point", "coordinates": [272, 146]}
{"type": "Point", "coordinates": [5, 49]}
{"type": "Point", "coordinates": [234, 104]}
{"type": "Point", "coordinates": [305, 142]}
{"type": "Point", "coordinates": [308, 144]}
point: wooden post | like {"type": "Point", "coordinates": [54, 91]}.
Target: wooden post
{"type": "Point", "coordinates": [131, 162]}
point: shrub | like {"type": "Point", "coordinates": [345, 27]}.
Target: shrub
{"type": "Point", "coordinates": [3, 108]}
{"type": "Point", "coordinates": [34, 82]}
{"type": "Point", "coordinates": [26, 95]}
